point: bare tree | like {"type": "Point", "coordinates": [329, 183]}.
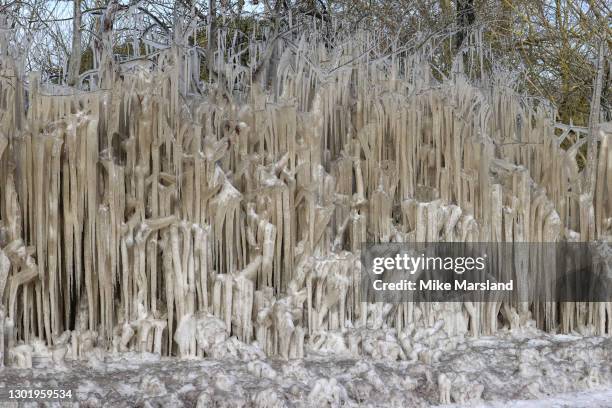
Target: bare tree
{"type": "Point", "coordinates": [74, 65]}
{"type": "Point", "coordinates": [466, 16]}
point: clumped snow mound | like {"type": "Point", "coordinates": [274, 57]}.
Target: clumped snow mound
{"type": "Point", "coordinates": [414, 369]}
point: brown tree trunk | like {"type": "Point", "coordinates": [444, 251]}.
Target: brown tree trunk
{"type": "Point", "coordinates": [212, 37]}
{"type": "Point", "coordinates": [74, 64]}
{"type": "Point", "coordinates": [465, 18]}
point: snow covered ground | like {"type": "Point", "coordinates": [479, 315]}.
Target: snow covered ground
{"type": "Point", "coordinates": [526, 369]}
{"type": "Point", "coordinates": [585, 399]}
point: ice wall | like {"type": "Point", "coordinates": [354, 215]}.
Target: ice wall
{"type": "Point", "coordinates": [141, 218]}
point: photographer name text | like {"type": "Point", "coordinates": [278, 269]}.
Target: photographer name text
{"type": "Point", "coordinates": [438, 285]}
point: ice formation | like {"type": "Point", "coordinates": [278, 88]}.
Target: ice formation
{"type": "Point", "coordinates": [137, 219]}
{"type": "Point", "coordinates": [512, 365]}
